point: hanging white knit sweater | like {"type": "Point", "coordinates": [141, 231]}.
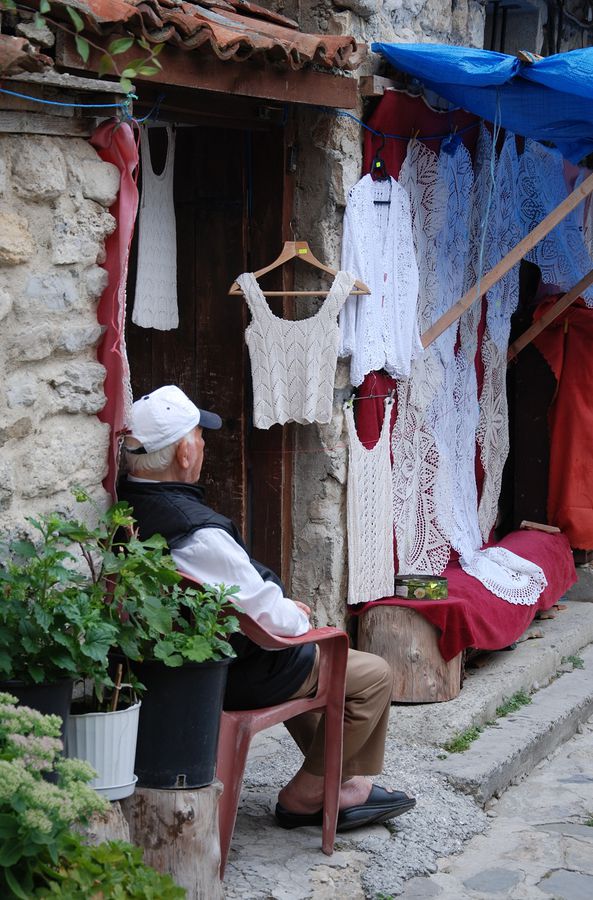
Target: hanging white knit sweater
{"type": "Point", "coordinates": [155, 302]}
{"type": "Point", "coordinates": [370, 514]}
{"type": "Point", "coordinates": [293, 363]}
{"type": "Point", "coordinates": [380, 331]}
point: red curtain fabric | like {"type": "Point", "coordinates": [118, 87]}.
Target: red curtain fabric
{"type": "Point", "coordinates": [566, 347]}
{"type": "Point", "coordinates": [115, 143]}
{"type": "Point", "coordinates": [472, 616]}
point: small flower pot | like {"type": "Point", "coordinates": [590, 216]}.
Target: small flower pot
{"type": "Point", "coordinates": [107, 740]}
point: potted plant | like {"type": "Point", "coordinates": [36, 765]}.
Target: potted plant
{"type": "Point", "coordinates": [52, 630]}
{"type": "Point", "coordinates": [182, 659]}
{"type": "Point", "coordinates": [40, 853]}
{"type": "Point", "coordinates": [82, 601]}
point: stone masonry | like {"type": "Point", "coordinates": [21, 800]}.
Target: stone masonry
{"type": "Point", "coordinates": [328, 164]}
{"type": "Point", "coordinates": [54, 200]}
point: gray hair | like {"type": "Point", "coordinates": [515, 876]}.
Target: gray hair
{"type": "Point", "coordinates": [156, 462]}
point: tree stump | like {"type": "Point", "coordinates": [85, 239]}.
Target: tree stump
{"type": "Point", "coordinates": [178, 831]}
{"type": "Point", "coordinates": [112, 826]}
{"type": "Point", "coordinates": [409, 644]}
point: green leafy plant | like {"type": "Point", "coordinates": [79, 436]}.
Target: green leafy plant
{"type": "Point", "coordinates": [577, 662]}
{"type": "Point", "coordinates": [40, 854]}
{"type": "Point", "coordinates": [52, 618]}
{"type": "Point", "coordinates": [512, 704]}
{"type": "Point", "coordinates": [77, 592]}
{"type": "Point", "coordinates": [464, 740]}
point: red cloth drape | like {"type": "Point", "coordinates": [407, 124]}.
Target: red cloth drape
{"type": "Point", "coordinates": [566, 346]}
{"type": "Point", "coordinates": [115, 143]}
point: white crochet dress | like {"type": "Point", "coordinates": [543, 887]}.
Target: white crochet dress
{"type": "Point", "coordinates": [380, 331]}
{"type": "Point", "coordinates": [293, 363]}
{"type": "Point", "coordinates": [155, 301]}
{"type": "Point", "coordinates": [370, 514]}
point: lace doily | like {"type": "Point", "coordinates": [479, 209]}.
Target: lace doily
{"type": "Point", "coordinates": [380, 331]}
{"type": "Point", "coordinates": [524, 581]}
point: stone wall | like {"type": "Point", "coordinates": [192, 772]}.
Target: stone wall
{"type": "Point", "coordinates": [54, 197]}
{"type": "Point", "coordinates": [328, 164]}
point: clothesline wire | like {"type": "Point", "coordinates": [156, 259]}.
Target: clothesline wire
{"type": "Point", "coordinates": [398, 137]}
{"type": "Point", "coordinates": [120, 104]}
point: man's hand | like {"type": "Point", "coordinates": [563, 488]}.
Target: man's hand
{"type": "Point", "coordinates": [303, 606]}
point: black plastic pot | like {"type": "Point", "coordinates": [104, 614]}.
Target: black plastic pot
{"type": "Point", "coordinates": [54, 698]}
{"type": "Point", "coordinates": [179, 723]}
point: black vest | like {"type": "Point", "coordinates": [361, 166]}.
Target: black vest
{"type": "Point", "coordinates": [257, 677]}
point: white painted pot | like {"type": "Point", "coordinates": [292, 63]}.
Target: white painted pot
{"type": "Point", "coordinates": [108, 742]}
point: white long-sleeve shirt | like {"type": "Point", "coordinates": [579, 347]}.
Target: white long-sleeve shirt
{"type": "Point", "coordinates": [212, 556]}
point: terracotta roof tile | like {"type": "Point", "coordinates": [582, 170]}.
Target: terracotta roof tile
{"type": "Point", "coordinates": [233, 29]}
{"type": "Point", "coordinates": [18, 55]}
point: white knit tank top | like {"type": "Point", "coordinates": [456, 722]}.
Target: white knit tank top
{"type": "Point", "coordinates": [155, 300]}
{"type": "Point", "coordinates": [293, 363]}
{"type": "Point", "coordinates": [369, 514]}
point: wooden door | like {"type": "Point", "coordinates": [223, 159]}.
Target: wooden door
{"type": "Point", "coordinates": [229, 188]}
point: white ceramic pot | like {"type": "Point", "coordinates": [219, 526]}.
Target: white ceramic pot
{"type": "Point", "coordinates": [108, 742]}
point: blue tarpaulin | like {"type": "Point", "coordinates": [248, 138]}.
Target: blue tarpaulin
{"type": "Point", "coordinates": [548, 100]}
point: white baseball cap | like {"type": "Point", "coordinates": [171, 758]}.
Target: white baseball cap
{"type": "Point", "coordinates": [164, 416]}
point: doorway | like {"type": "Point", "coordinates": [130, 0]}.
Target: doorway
{"type": "Point", "coordinates": [230, 192]}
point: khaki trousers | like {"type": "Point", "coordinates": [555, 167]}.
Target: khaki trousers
{"type": "Point", "coordinates": [369, 683]}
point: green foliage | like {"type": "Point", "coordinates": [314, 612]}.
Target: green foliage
{"type": "Point", "coordinates": [39, 854]}
{"type": "Point", "coordinates": [36, 815]}
{"type": "Point", "coordinates": [57, 621]}
{"type": "Point", "coordinates": [512, 704]}
{"type": "Point", "coordinates": [463, 741]}
{"type": "Point", "coordinates": [147, 65]}
{"type": "Point", "coordinates": [577, 662]}
{"type": "Point", "coordinates": [110, 870]}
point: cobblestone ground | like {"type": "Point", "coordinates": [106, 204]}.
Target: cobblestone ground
{"type": "Point", "coordinates": [535, 843]}
{"type": "Point", "coordinates": [540, 843]}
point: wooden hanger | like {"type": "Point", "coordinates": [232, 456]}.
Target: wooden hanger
{"type": "Point", "coordinates": [297, 250]}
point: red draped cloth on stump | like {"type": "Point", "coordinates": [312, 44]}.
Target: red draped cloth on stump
{"type": "Point", "coordinates": [472, 616]}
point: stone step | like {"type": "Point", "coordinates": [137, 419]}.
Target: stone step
{"type": "Point", "coordinates": [509, 749]}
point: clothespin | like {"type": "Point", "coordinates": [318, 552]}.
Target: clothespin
{"type": "Point", "coordinates": [414, 134]}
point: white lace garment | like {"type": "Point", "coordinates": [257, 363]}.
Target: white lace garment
{"type": "Point", "coordinates": [293, 363]}
{"type": "Point", "coordinates": [155, 300]}
{"type": "Point", "coordinates": [369, 514]}
{"type": "Point", "coordinates": [562, 256]}
{"type": "Point", "coordinates": [380, 331]}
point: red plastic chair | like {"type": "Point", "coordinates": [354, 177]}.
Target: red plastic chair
{"type": "Point", "coordinates": [238, 727]}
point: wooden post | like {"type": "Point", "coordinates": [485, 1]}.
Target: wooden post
{"type": "Point", "coordinates": [409, 644]}
{"type": "Point", "coordinates": [178, 831]}
{"type": "Point", "coordinates": [507, 263]}
{"type": "Point", "coordinates": [563, 303]}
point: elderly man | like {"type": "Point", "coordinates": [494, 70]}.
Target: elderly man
{"type": "Point", "coordinates": [163, 457]}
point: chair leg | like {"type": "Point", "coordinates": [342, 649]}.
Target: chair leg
{"type": "Point", "coordinates": [233, 746]}
{"type": "Point", "coordinates": [332, 777]}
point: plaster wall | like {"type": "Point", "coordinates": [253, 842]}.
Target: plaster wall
{"type": "Point", "coordinates": [329, 163]}
{"type": "Point", "coordinates": [54, 199]}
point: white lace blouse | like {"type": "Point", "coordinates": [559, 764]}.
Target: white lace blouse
{"type": "Point", "coordinates": [380, 331]}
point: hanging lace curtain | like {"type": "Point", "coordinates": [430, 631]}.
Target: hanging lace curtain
{"type": "Point", "coordinates": [434, 439]}
{"type": "Point", "coordinates": [502, 234]}
{"type": "Point", "coordinates": [562, 256]}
